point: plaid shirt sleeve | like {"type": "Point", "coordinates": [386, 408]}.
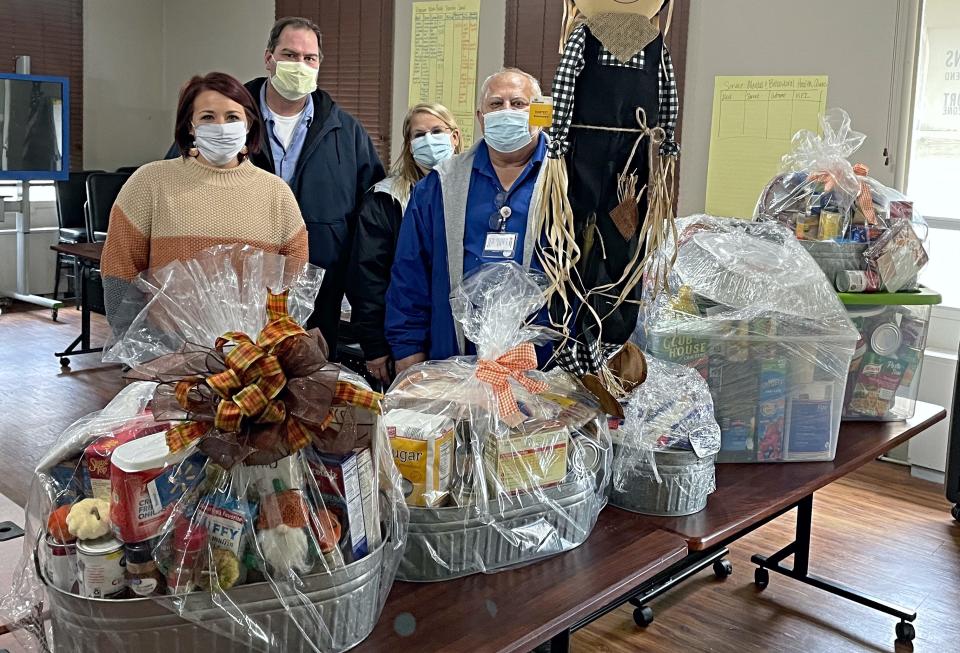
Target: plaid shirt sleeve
{"type": "Point", "coordinates": [564, 83]}
{"type": "Point", "coordinates": [669, 104]}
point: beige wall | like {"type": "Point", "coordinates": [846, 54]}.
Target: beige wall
{"type": "Point", "coordinates": [489, 58]}
{"type": "Point", "coordinates": [137, 54]}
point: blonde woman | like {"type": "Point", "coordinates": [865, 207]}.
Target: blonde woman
{"type": "Point", "coordinates": [430, 136]}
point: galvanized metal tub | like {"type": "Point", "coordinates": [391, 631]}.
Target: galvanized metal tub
{"type": "Point", "coordinates": [333, 612]}
{"type": "Point", "coordinates": [445, 543]}
{"type": "Point", "coordinates": [685, 483]}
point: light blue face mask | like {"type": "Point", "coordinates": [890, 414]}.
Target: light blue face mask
{"type": "Point", "coordinates": [507, 130]}
{"type": "Point", "coordinates": [430, 150]}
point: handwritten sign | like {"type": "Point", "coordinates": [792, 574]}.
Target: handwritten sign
{"type": "Point", "coordinates": [754, 120]}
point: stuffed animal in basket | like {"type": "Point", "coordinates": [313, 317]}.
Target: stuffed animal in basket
{"type": "Point", "coordinates": [615, 112]}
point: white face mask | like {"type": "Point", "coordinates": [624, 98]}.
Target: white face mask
{"type": "Point", "coordinates": [220, 144]}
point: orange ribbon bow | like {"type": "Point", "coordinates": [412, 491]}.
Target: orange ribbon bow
{"type": "Point", "coordinates": [864, 197]}
{"type": "Point", "coordinates": [512, 365]}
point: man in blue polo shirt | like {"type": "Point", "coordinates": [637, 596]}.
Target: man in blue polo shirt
{"type": "Point", "coordinates": [472, 209]}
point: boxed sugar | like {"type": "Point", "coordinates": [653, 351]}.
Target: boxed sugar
{"type": "Point", "coordinates": [423, 448]}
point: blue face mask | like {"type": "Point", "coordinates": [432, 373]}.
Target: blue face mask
{"type": "Point", "coordinates": [507, 130]}
{"type": "Point", "coordinates": [430, 150]}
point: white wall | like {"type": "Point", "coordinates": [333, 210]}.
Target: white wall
{"type": "Point", "coordinates": [855, 42]}
{"type": "Point", "coordinates": [125, 120]}
{"type": "Point", "coordinates": [493, 18]}
{"type": "Point", "coordinates": [137, 54]}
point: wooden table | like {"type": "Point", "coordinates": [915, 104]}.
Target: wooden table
{"type": "Point", "coordinates": [88, 257]}
{"type": "Point", "coordinates": [750, 495]}
{"type": "Point", "coordinates": [517, 610]}
{"type": "Point", "coordinates": [635, 558]}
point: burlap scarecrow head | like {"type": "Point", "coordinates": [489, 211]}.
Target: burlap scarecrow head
{"type": "Point", "coordinates": [624, 27]}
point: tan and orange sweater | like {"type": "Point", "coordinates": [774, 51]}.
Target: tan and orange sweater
{"type": "Point", "coordinates": [171, 210]}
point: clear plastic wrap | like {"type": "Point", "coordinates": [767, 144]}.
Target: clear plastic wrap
{"type": "Point", "coordinates": [835, 208]}
{"type": "Point", "coordinates": [750, 310]}
{"type": "Point", "coordinates": [502, 464]}
{"type": "Point", "coordinates": [239, 496]}
{"type": "Point", "coordinates": [665, 448]}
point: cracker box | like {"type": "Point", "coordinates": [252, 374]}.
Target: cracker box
{"type": "Point", "coordinates": [369, 498]}
{"type": "Point", "coordinates": [423, 449]}
{"type": "Point", "coordinates": [338, 480]}
{"type": "Point", "coordinates": [525, 462]}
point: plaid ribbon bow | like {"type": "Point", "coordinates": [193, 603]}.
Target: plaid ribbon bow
{"type": "Point", "coordinates": [250, 392]}
{"type": "Point", "coordinates": [512, 365]}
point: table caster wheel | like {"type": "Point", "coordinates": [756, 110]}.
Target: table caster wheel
{"type": "Point", "coordinates": [643, 616]}
{"type": "Point", "coordinates": [64, 362]}
{"type": "Point", "coordinates": [722, 569]}
{"type": "Point", "coordinates": [955, 511]}
{"type": "Point", "coordinates": [761, 578]}
{"type": "Point", "coordinates": [905, 632]}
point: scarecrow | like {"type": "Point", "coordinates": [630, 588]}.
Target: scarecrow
{"type": "Point", "coordinates": [609, 173]}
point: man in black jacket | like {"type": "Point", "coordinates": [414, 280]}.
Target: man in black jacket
{"type": "Point", "coordinates": [320, 150]}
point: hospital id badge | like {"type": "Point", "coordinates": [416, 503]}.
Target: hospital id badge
{"type": "Point", "coordinates": [500, 245]}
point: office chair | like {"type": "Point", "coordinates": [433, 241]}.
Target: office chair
{"type": "Point", "coordinates": [71, 194]}
{"type": "Point", "coordinates": [128, 170]}
{"type": "Point", "coordinates": [102, 191]}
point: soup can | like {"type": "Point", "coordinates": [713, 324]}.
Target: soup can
{"type": "Point", "coordinates": [61, 564]}
{"type": "Point", "coordinates": [100, 568]}
{"type": "Point", "coordinates": [885, 339]}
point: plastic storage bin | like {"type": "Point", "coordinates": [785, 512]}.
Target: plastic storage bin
{"type": "Point", "coordinates": [774, 399]}
{"type": "Point", "coordinates": [884, 375]}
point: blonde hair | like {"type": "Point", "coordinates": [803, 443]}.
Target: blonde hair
{"type": "Point", "coordinates": [405, 170]}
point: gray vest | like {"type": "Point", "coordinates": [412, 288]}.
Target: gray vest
{"type": "Point", "coordinates": [455, 175]}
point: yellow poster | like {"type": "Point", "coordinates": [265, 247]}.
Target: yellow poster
{"type": "Point", "coordinates": [443, 57]}
{"type": "Point", "coordinates": [754, 120]}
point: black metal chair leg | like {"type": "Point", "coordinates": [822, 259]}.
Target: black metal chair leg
{"type": "Point", "coordinates": [56, 276]}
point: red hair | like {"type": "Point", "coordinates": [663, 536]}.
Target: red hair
{"type": "Point", "coordinates": [227, 86]}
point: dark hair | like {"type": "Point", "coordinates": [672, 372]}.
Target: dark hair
{"type": "Point", "coordinates": [295, 22]}
{"type": "Point", "coordinates": [225, 85]}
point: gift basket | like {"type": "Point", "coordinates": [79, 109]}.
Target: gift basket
{"type": "Point", "coordinates": [239, 495]}
{"type": "Point", "coordinates": [748, 308]}
{"type": "Point", "coordinates": [501, 464]}
{"type": "Point", "coordinates": [664, 451]}
{"type": "Point", "coordinates": [864, 235]}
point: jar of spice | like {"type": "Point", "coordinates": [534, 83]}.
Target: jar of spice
{"type": "Point", "coordinates": [143, 576]}
{"type": "Point", "coordinates": [189, 546]}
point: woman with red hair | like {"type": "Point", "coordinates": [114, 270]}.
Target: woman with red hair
{"type": "Point", "coordinates": [211, 195]}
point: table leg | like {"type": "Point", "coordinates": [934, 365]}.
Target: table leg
{"type": "Point", "coordinates": [800, 550]}
{"type": "Point", "coordinates": [84, 338]}
{"type": "Point", "coordinates": [560, 643]}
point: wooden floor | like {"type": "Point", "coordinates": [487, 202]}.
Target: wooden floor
{"type": "Point", "coordinates": [878, 530]}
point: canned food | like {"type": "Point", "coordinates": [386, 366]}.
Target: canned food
{"type": "Point", "coordinates": [61, 564]}
{"type": "Point", "coordinates": [831, 225]}
{"type": "Point", "coordinates": [857, 281]}
{"type": "Point", "coordinates": [808, 226]}
{"type": "Point", "coordinates": [100, 568]}
{"type": "Point", "coordinates": [885, 339]}
{"type": "Point", "coordinates": [913, 331]}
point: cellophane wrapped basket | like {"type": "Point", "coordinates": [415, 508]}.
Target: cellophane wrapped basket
{"type": "Point", "coordinates": [501, 464]}
{"type": "Point", "coordinates": [665, 448]}
{"type": "Point", "coordinates": [749, 309]}
{"type": "Point", "coordinates": [847, 220]}
{"type": "Point", "coordinates": [238, 495]}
